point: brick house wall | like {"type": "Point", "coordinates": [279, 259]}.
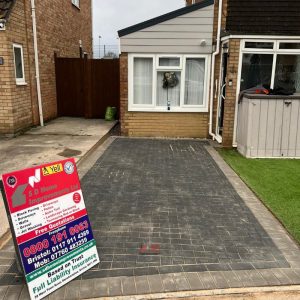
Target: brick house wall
{"type": "Point", "coordinates": [15, 101]}
{"type": "Point", "coordinates": [60, 26]}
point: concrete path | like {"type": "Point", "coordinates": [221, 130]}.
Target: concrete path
{"type": "Point", "coordinates": [214, 234]}
{"type": "Point", "coordinates": [60, 138]}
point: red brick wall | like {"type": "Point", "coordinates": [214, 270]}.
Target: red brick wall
{"type": "Point", "coordinates": [15, 101]}
{"type": "Point", "coordinates": [230, 102]}
{"type": "Point", "coordinates": [60, 26]}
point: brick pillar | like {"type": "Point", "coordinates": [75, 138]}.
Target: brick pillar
{"type": "Point", "coordinates": [230, 102]}
{"type": "Point", "coordinates": [123, 91]}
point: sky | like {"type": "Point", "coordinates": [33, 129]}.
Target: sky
{"type": "Point", "coordinates": [112, 15]}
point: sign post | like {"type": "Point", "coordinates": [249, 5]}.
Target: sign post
{"type": "Point", "coordinates": [50, 225]}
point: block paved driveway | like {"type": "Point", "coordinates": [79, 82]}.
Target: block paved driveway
{"type": "Point", "coordinates": [173, 193]}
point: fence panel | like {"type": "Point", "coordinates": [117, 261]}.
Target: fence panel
{"type": "Point", "coordinates": [85, 87]}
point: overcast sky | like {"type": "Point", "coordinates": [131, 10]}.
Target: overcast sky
{"type": "Point", "coordinates": [113, 15]}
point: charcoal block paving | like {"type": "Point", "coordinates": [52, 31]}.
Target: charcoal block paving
{"type": "Point", "coordinates": [172, 193]}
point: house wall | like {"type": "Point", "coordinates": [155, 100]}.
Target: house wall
{"type": "Point", "coordinates": [15, 101]}
{"type": "Point", "coordinates": [60, 26]}
{"type": "Point", "coordinates": [154, 124]}
{"type": "Point", "coordinates": [179, 35]}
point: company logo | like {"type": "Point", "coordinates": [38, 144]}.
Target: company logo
{"type": "Point", "coordinates": [76, 198]}
{"type": "Point", "coordinates": [11, 181]}
{"type": "Point", "coordinates": [69, 167]}
{"type": "Point", "coordinates": [36, 178]}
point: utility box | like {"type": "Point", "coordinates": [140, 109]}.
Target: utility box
{"type": "Point", "coordinates": [269, 126]}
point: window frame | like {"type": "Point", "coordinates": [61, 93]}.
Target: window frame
{"type": "Point", "coordinates": [156, 68]}
{"type": "Point", "coordinates": [19, 81]}
{"type": "Point", "coordinates": [275, 52]}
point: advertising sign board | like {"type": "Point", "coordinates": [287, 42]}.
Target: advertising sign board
{"type": "Point", "coordinates": [50, 225]}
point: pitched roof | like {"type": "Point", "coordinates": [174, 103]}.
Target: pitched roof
{"type": "Point", "coordinates": [165, 17]}
{"type": "Point", "coordinates": [277, 17]}
{"type": "Point", "coordinates": [5, 8]}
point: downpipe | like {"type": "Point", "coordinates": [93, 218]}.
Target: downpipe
{"type": "Point", "coordinates": [217, 52]}
{"type": "Point", "coordinates": [36, 60]}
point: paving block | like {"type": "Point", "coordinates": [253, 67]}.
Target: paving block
{"type": "Point", "coordinates": [168, 282]}
{"type": "Point", "coordinates": [155, 284]}
{"type": "Point", "coordinates": [128, 285]}
{"type": "Point", "coordinates": [194, 281]}
{"type": "Point", "coordinates": [114, 286]}
{"type": "Point", "coordinates": [207, 281]}
{"type": "Point", "coordinates": [13, 292]}
{"type": "Point", "coordinates": [181, 282]}
{"type": "Point", "coordinates": [142, 285]}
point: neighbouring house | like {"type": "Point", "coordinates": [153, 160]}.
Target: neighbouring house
{"type": "Point", "coordinates": [31, 32]}
{"type": "Point", "coordinates": [182, 72]}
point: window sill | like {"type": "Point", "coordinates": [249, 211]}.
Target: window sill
{"type": "Point", "coordinates": [172, 109]}
{"type": "Point", "coordinates": [21, 83]}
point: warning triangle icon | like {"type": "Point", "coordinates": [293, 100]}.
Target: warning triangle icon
{"type": "Point", "coordinates": [45, 171]}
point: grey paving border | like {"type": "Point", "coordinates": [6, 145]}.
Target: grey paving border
{"type": "Point", "coordinates": [197, 281]}
{"type": "Point", "coordinates": [281, 238]}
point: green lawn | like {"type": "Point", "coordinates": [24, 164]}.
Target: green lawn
{"type": "Point", "coordinates": [275, 181]}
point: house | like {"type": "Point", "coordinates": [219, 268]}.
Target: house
{"type": "Point", "coordinates": [213, 50]}
{"type": "Point", "coordinates": [30, 35]}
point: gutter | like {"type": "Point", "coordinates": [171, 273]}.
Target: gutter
{"type": "Point", "coordinates": [36, 60]}
{"type": "Point", "coordinates": [217, 52]}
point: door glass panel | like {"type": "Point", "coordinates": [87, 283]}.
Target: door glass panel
{"type": "Point", "coordinates": [287, 74]}
{"type": "Point", "coordinates": [256, 70]}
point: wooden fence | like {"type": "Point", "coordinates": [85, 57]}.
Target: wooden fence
{"type": "Point", "coordinates": [85, 87]}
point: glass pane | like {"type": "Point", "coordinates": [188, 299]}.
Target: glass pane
{"type": "Point", "coordinates": [142, 80]}
{"type": "Point", "coordinates": [259, 45]}
{"type": "Point", "coordinates": [169, 93]}
{"type": "Point", "coordinates": [256, 70]}
{"type": "Point", "coordinates": [287, 74]}
{"type": "Point", "coordinates": [169, 61]}
{"type": "Point", "coordinates": [289, 46]}
{"type": "Point", "coordinates": [194, 81]}
{"type": "Point", "coordinates": [76, 2]}
{"type": "Point", "coordinates": [18, 63]}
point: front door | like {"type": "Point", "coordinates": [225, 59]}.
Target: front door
{"type": "Point", "coordinates": [222, 96]}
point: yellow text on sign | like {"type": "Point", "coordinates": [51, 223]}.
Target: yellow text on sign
{"type": "Point", "coordinates": [49, 170]}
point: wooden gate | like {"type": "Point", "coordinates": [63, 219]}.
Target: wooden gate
{"type": "Point", "coordinates": [85, 87]}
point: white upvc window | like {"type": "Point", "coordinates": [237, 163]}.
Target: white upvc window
{"type": "Point", "coordinates": [19, 64]}
{"type": "Point", "coordinates": [76, 3]}
{"type": "Point", "coordinates": [270, 63]}
{"type": "Point", "coordinates": [168, 83]}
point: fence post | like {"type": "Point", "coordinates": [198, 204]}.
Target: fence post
{"type": "Point", "coordinates": [87, 89]}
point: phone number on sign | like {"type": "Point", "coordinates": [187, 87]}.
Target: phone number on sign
{"type": "Point", "coordinates": [51, 246]}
